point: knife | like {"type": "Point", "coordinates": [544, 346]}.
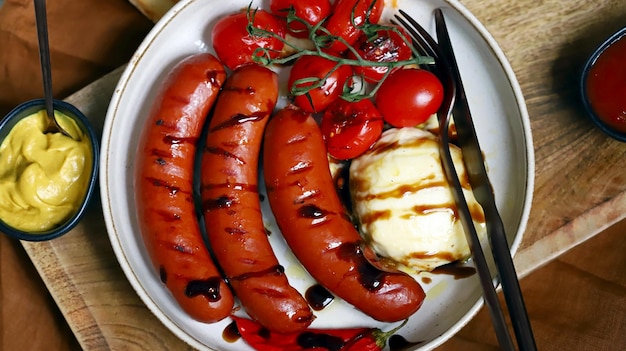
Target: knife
{"type": "Point", "coordinates": [474, 163]}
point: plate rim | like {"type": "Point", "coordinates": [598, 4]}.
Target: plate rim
{"type": "Point", "coordinates": [130, 69]}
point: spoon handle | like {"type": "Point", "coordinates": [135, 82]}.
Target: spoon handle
{"type": "Point", "coordinates": [44, 53]}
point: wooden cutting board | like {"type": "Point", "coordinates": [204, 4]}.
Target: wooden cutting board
{"type": "Point", "coordinates": [580, 185]}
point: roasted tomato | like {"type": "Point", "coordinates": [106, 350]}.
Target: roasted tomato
{"type": "Point", "coordinates": [408, 97]}
{"type": "Point", "coordinates": [310, 70]}
{"type": "Point", "coordinates": [340, 23]}
{"type": "Point", "coordinates": [385, 45]}
{"type": "Point", "coordinates": [350, 128]}
{"type": "Point", "coordinates": [310, 11]}
{"type": "Point", "coordinates": [235, 46]}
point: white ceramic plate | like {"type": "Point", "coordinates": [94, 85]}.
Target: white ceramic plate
{"type": "Point", "coordinates": [501, 121]}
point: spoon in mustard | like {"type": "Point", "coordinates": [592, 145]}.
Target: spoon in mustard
{"type": "Point", "coordinates": [44, 58]}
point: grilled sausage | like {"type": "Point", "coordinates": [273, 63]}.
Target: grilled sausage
{"type": "Point", "coordinates": [231, 205]}
{"type": "Point", "coordinates": [164, 189]}
{"type": "Point", "coordinates": [313, 221]}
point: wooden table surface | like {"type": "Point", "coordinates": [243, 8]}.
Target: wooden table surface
{"type": "Point", "coordinates": [580, 186]}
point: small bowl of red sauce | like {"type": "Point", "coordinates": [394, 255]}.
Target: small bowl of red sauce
{"type": "Point", "coordinates": [603, 86]}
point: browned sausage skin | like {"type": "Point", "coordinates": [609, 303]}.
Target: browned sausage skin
{"type": "Point", "coordinates": [230, 201]}
{"type": "Point", "coordinates": [311, 217]}
{"type": "Point", "coordinates": [164, 189]}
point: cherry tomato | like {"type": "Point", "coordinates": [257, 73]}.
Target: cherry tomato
{"type": "Point", "coordinates": [408, 97]}
{"type": "Point", "coordinates": [235, 46]}
{"type": "Point", "coordinates": [350, 128]}
{"type": "Point", "coordinates": [316, 68]}
{"type": "Point", "coordinates": [310, 11]}
{"type": "Point", "coordinates": [386, 45]}
{"type": "Point", "coordinates": [340, 22]}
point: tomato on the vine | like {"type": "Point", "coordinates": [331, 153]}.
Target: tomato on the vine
{"type": "Point", "coordinates": [350, 128]}
{"type": "Point", "coordinates": [310, 11]}
{"type": "Point", "coordinates": [309, 70]}
{"type": "Point", "coordinates": [235, 46]}
{"type": "Point", "coordinates": [341, 23]}
{"type": "Point", "coordinates": [408, 97]}
{"type": "Point", "coordinates": [385, 45]}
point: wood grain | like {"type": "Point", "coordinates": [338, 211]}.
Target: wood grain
{"type": "Point", "coordinates": [580, 186]}
{"type": "Point", "coordinates": [547, 43]}
{"type": "Point", "coordinates": [576, 302]}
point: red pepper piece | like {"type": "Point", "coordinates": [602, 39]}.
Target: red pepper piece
{"type": "Point", "coordinates": [352, 339]}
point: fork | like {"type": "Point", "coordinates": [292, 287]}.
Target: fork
{"type": "Point", "coordinates": [455, 100]}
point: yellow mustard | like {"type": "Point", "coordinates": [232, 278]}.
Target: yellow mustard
{"type": "Point", "coordinates": [43, 177]}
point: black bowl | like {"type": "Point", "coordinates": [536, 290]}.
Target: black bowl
{"type": "Point", "coordinates": [26, 109]}
{"type": "Point", "coordinates": [594, 116]}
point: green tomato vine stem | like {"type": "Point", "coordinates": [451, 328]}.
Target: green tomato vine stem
{"type": "Point", "coordinates": [321, 38]}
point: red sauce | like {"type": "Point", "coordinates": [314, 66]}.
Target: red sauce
{"type": "Point", "coordinates": [606, 85]}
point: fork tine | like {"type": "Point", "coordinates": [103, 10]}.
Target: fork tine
{"type": "Point", "coordinates": [425, 42]}
{"type": "Point", "coordinates": [419, 43]}
{"type": "Point", "coordinates": [419, 34]}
